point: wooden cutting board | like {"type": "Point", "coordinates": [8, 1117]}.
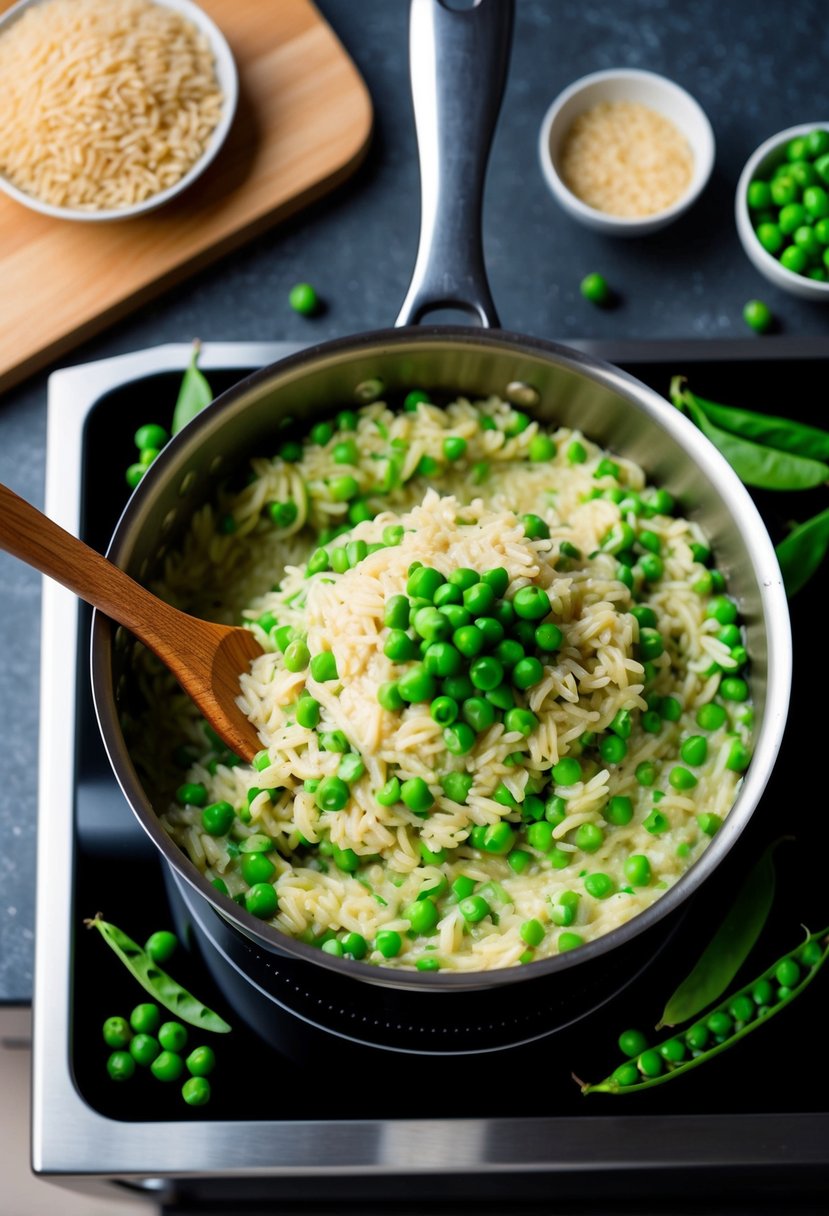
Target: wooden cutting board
{"type": "Point", "coordinates": [303, 124]}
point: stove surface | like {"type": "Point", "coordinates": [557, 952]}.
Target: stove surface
{"type": "Point", "coordinates": [757, 1111]}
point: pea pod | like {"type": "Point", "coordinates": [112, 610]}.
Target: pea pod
{"type": "Point", "coordinates": [728, 949]}
{"type": "Point", "coordinates": [766, 468]}
{"type": "Point", "coordinates": [195, 393]}
{"type": "Point", "coordinates": [803, 550]}
{"type": "Point", "coordinates": [758, 1001]}
{"type": "Point", "coordinates": [782, 433]}
{"type": "Point", "coordinates": [159, 985]}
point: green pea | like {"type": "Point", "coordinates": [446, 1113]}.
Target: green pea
{"type": "Point", "coordinates": [535, 528]}
{"type": "Point", "coordinates": [622, 724]}
{"type": "Point", "coordinates": [498, 838]}
{"type": "Point", "coordinates": [594, 287]}
{"type": "Point", "coordinates": [427, 466]}
{"type": "Point", "coordinates": [256, 867]}
{"type": "Point", "coordinates": [739, 757]}
{"type": "Point", "coordinates": [454, 447]}
{"type": "Point", "coordinates": [191, 794]}
{"type": "Point", "coordinates": [681, 778]}
{"type": "Point", "coordinates": [651, 645]}
{"type": "Point", "coordinates": [399, 647]}
{"type": "Point", "coordinates": [444, 710]}
{"type": "Point", "coordinates": [458, 687]}
{"type": "Point", "coordinates": [297, 656]}
{"type": "Point", "coordinates": [417, 796]}
{"type": "Point", "coordinates": [816, 201]}
{"type": "Point", "coordinates": [172, 1036]}
{"type": "Point", "coordinates": [308, 712]}
{"type": "Point", "coordinates": [811, 954]}
{"type": "Point", "coordinates": [522, 720]}
{"type": "Point", "coordinates": [540, 836]}
{"type": "Point", "coordinates": [569, 941]}
{"type": "Point", "coordinates": [217, 818]}
{"type": "Point", "coordinates": [509, 652]}
{"type": "Point", "coordinates": [697, 1036]}
{"type": "Point", "coordinates": [303, 299]}
{"type": "Point", "coordinates": [355, 945]}
{"type": "Point", "coordinates": [670, 709]}
{"type": "Point", "coordinates": [416, 685]}
{"type": "Point", "coordinates": [673, 1050]}
{"type": "Point", "coordinates": [720, 1024]}
{"type": "Point", "coordinates": [196, 1091]}
{"type": "Point", "coordinates": [479, 600]}
{"type": "Point", "coordinates": [742, 1009]}
{"type": "Point", "coordinates": [632, 1043]}
{"type": "Point", "coordinates": [531, 603]}
{"type": "Point", "coordinates": [732, 688]}
{"type": "Point", "coordinates": [651, 566]}
{"type": "Point", "coordinates": [532, 932]}
{"type": "Point", "coordinates": [758, 195]}
{"type": "Point", "coordinates": [589, 837]}
{"type": "Point", "coordinates": [756, 314]}
{"type": "Point", "coordinates": [606, 468]}
{"type": "Point", "coordinates": [120, 1066]}
{"type": "Point", "coordinates": [709, 823]}
{"type": "Point", "coordinates": [388, 695]}
{"type": "Point", "coordinates": [576, 452]}
{"type": "Point", "coordinates": [331, 794]}
{"type": "Point", "coordinates": [459, 738]}
{"type": "Point", "coordinates": [621, 536]}
{"type": "Point", "coordinates": [619, 810]}
{"type": "Point", "coordinates": [626, 1075]}
{"type": "Point", "coordinates": [527, 673]}
{"type": "Point", "coordinates": [456, 786]}
{"type": "Point", "coordinates": [415, 398]}
{"type": "Point", "coordinates": [333, 947]}
{"type": "Point", "coordinates": [324, 667]}
{"type": "Point", "coordinates": [479, 713]}
{"type": "Point", "coordinates": [555, 809]}
{"type": "Point", "coordinates": [486, 673]}
{"type": "Point", "coordinates": [388, 942]}
{"type": "Point", "coordinates": [117, 1032]}
{"type": "Point", "coordinates": [351, 768]}
{"type": "Point", "coordinates": [492, 630]}
{"type": "Point", "coordinates": [473, 909]}
{"type": "Point", "coordinates": [333, 741]}
{"type": "Point", "coordinates": [389, 793]}
{"type": "Point", "coordinates": [650, 1064]}
{"type": "Point", "coordinates": [600, 886]}
{"type": "Point", "coordinates": [711, 716]}
{"type": "Point", "coordinates": [144, 1048]}
{"type": "Point", "coordinates": [612, 749]}
{"type": "Point", "coordinates": [261, 900]}
{"type": "Point", "coordinates": [548, 636]}
{"type": "Point", "coordinates": [567, 771]}
{"type": "Point", "coordinates": [646, 773]}
{"type": "Point", "coordinates": [497, 578]}
{"type": "Point", "coordinates": [424, 582]}
{"type": "Point", "coordinates": [422, 916]}
{"type": "Point", "coordinates": [787, 973]}
{"type": "Point", "coordinates": [694, 750]}
{"type": "Point", "coordinates": [637, 870]}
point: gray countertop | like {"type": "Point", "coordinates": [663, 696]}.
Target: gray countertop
{"type": "Point", "coordinates": [753, 69]}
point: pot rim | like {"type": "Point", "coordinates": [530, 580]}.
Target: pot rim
{"type": "Point", "coordinates": [742, 513]}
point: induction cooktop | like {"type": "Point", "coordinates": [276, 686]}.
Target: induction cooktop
{"type": "Point", "coordinates": [510, 1131]}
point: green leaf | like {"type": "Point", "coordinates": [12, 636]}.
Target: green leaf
{"type": "Point", "coordinates": [767, 468]}
{"type": "Point", "coordinates": [195, 393]}
{"type": "Point", "coordinates": [803, 550]}
{"type": "Point", "coordinates": [728, 949]}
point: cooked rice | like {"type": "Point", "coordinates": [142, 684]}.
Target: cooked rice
{"type": "Point", "coordinates": [104, 102]}
{"type": "Point", "coordinates": [450, 522]}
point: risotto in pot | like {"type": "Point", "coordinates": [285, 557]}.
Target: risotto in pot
{"type": "Point", "coordinates": [501, 704]}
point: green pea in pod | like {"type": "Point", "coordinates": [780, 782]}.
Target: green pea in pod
{"type": "Point", "coordinates": [802, 551]}
{"type": "Point", "coordinates": [782, 433]}
{"type": "Point", "coordinates": [160, 986]}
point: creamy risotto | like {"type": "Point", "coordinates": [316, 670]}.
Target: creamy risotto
{"type": "Point", "coordinates": [501, 704]}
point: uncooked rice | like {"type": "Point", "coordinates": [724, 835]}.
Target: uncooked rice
{"type": "Point", "coordinates": [358, 870]}
{"type": "Point", "coordinates": [105, 103]}
{"type": "Point", "coordinates": [625, 159]}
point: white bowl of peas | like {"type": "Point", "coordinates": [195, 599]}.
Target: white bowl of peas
{"type": "Point", "coordinates": [782, 210]}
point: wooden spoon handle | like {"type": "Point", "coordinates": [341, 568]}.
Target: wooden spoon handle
{"type": "Point", "coordinates": [30, 535]}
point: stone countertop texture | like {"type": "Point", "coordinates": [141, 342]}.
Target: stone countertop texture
{"type": "Point", "coordinates": [755, 69]}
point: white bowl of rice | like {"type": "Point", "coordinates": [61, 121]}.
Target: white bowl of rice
{"type": "Point", "coordinates": [110, 108]}
{"type": "Point", "coordinates": [626, 152]}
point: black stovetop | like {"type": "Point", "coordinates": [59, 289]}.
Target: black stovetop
{"type": "Point", "coordinates": [781, 1069]}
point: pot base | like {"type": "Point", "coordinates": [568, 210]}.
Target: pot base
{"type": "Point", "coordinates": [261, 985]}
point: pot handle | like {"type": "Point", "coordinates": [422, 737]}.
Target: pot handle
{"type": "Point", "coordinates": [458, 62]}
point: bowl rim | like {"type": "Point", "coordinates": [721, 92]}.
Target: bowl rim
{"type": "Point", "coordinates": [228, 78]}
{"type": "Point", "coordinates": [704, 158]}
{"type": "Point", "coordinates": [745, 228]}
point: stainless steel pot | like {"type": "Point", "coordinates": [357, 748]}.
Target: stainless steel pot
{"type": "Point", "coordinates": [459, 66]}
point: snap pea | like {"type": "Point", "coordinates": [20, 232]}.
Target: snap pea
{"type": "Point", "coordinates": [726, 1022]}
{"type": "Point", "coordinates": [195, 393]}
{"type": "Point", "coordinates": [803, 550]}
{"type": "Point", "coordinates": [767, 468]}
{"type": "Point", "coordinates": [159, 985]}
{"type": "Point", "coordinates": [728, 948]}
{"type": "Point", "coordinates": [782, 433]}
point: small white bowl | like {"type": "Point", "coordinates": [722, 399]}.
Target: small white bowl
{"type": "Point", "coordinates": [767, 157]}
{"type": "Point", "coordinates": [228, 79]}
{"type": "Point", "coordinates": [626, 84]}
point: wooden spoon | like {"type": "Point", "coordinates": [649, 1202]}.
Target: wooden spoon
{"type": "Point", "coordinates": [206, 659]}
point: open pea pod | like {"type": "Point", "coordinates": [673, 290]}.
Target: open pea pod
{"type": "Point", "coordinates": [766, 468]}
{"type": "Point", "coordinates": [803, 550]}
{"type": "Point", "coordinates": [195, 393]}
{"type": "Point", "coordinates": [785, 434]}
{"type": "Point", "coordinates": [728, 949]}
{"type": "Point", "coordinates": [158, 983]}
